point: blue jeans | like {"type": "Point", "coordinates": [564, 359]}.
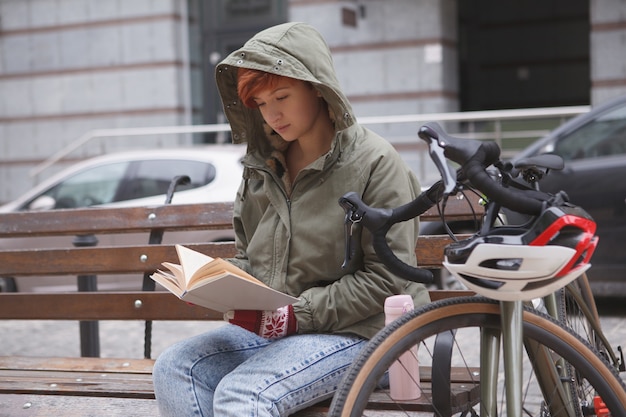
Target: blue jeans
{"type": "Point", "coordinates": [230, 371]}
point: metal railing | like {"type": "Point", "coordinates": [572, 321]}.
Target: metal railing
{"type": "Point", "coordinates": [470, 120]}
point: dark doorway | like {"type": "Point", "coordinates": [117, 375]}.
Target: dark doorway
{"type": "Point", "coordinates": [523, 54]}
{"type": "Point", "coordinates": [222, 27]}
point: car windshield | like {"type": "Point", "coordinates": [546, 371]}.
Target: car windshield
{"type": "Point", "coordinates": [97, 185]}
{"type": "Point", "coordinates": [603, 136]}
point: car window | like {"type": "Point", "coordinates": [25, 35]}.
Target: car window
{"type": "Point", "coordinates": [96, 185]}
{"type": "Point", "coordinates": [603, 136]}
{"type": "Point", "coordinates": [153, 177]}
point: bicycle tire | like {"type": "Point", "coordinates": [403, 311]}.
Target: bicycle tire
{"type": "Point", "coordinates": [578, 312]}
{"type": "Point", "coordinates": [473, 314]}
{"type": "Point", "coordinates": [581, 315]}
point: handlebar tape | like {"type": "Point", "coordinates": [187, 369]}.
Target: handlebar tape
{"type": "Point", "coordinates": [512, 198]}
{"type": "Point", "coordinates": [423, 202]}
{"type": "Point", "coordinates": [475, 157]}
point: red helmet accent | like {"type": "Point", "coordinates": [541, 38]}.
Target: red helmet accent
{"type": "Point", "coordinates": [585, 246]}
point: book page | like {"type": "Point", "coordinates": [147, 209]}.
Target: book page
{"type": "Point", "coordinates": [191, 261]}
{"type": "Point", "coordinates": [168, 281]}
{"type": "Point", "coordinates": [221, 274]}
{"type": "Point", "coordinates": [220, 266]}
{"type": "Point", "coordinates": [176, 273]}
{"type": "Point", "coordinates": [199, 267]}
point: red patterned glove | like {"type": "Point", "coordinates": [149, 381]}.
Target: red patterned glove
{"type": "Point", "coordinates": [267, 324]}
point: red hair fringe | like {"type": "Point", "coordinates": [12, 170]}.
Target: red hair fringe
{"type": "Point", "coordinates": [250, 82]}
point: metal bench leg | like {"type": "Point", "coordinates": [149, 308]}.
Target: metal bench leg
{"type": "Point", "coordinates": [89, 330]}
{"type": "Point", "coordinates": [156, 236]}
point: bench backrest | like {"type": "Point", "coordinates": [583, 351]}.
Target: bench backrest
{"type": "Point", "coordinates": [116, 259]}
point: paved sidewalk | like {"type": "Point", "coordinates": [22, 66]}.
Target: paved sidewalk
{"type": "Point", "coordinates": [122, 339]}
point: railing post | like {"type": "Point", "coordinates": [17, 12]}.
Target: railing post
{"type": "Point", "coordinates": [89, 330]}
{"type": "Point", "coordinates": [498, 132]}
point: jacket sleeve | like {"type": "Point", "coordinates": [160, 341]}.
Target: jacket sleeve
{"type": "Point", "coordinates": [354, 303]}
{"type": "Point", "coordinates": [241, 241]}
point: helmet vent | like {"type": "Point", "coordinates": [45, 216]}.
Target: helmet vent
{"type": "Point", "coordinates": [540, 284]}
{"type": "Point", "coordinates": [503, 264]}
{"type": "Point", "coordinates": [483, 283]}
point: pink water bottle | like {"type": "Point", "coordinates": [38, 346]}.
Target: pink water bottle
{"type": "Point", "coordinates": [404, 376]}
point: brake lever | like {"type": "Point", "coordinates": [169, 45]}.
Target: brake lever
{"type": "Point", "coordinates": [354, 215]}
{"type": "Point", "coordinates": [436, 151]}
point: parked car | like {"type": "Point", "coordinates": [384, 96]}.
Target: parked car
{"type": "Point", "coordinates": [130, 179]}
{"type": "Point", "coordinates": [593, 146]}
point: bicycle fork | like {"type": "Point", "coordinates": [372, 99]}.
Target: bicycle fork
{"type": "Point", "coordinates": [512, 333]}
{"type": "Point", "coordinates": [513, 343]}
{"type": "Point", "coordinates": [511, 318]}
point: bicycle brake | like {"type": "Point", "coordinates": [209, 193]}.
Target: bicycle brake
{"type": "Point", "coordinates": [353, 216]}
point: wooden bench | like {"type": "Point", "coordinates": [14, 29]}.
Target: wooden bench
{"type": "Point", "coordinates": [36, 386]}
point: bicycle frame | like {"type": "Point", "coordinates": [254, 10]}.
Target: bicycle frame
{"type": "Point", "coordinates": [512, 348]}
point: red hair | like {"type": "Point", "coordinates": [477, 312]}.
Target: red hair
{"type": "Point", "coordinates": [250, 82]}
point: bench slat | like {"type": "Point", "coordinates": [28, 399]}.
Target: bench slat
{"type": "Point", "coordinates": [100, 260]}
{"type": "Point", "coordinates": [30, 405]}
{"type": "Point", "coordinates": [142, 258]}
{"type": "Point", "coordinates": [159, 305]}
{"type": "Point", "coordinates": [180, 217]}
{"type": "Point", "coordinates": [77, 383]}
{"type": "Point", "coordinates": [117, 306]}
{"type": "Point", "coordinates": [136, 368]}
{"type": "Point", "coordinates": [95, 377]}
{"type": "Point", "coordinates": [429, 249]}
{"type": "Point", "coordinates": [100, 306]}
{"type": "Point", "coordinates": [108, 365]}
{"type": "Point", "coordinates": [116, 220]}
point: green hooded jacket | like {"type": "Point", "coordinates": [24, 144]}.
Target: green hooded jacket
{"type": "Point", "coordinates": [291, 236]}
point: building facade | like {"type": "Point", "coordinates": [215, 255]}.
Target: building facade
{"type": "Point", "coordinates": [68, 67]}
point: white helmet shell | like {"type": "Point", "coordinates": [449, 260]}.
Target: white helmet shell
{"type": "Point", "coordinates": [513, 272]}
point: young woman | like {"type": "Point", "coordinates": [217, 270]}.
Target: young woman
{"type": "Point", "coordinates": [305, 150]}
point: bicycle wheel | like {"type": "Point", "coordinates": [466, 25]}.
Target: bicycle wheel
{"type": "Point", "coordinates": [578, 312]}
{"type": "Point", "coordinates": [581, 315]}
{"type": "Point", "coordinates": [470, 318]}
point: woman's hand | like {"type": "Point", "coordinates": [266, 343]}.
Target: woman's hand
{"type": "Point", "coordinates": [269, 324]}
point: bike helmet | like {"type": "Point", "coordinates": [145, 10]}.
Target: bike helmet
{"type": "Point", "coordinates": [529, 261]}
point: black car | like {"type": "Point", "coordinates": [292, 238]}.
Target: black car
{"type": "Point", "coordinates": [593, 146]}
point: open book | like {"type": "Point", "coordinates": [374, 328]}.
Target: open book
{"type": "Point", "coordinates": [217, 284]}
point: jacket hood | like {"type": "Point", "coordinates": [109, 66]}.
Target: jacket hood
{"type": "Point", "coordinates": [294, 50]}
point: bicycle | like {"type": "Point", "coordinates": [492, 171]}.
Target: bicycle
{"type": "Point", "coordinates": [574, 304]}
{"type": "Point", "coordinates": [566, 375]}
